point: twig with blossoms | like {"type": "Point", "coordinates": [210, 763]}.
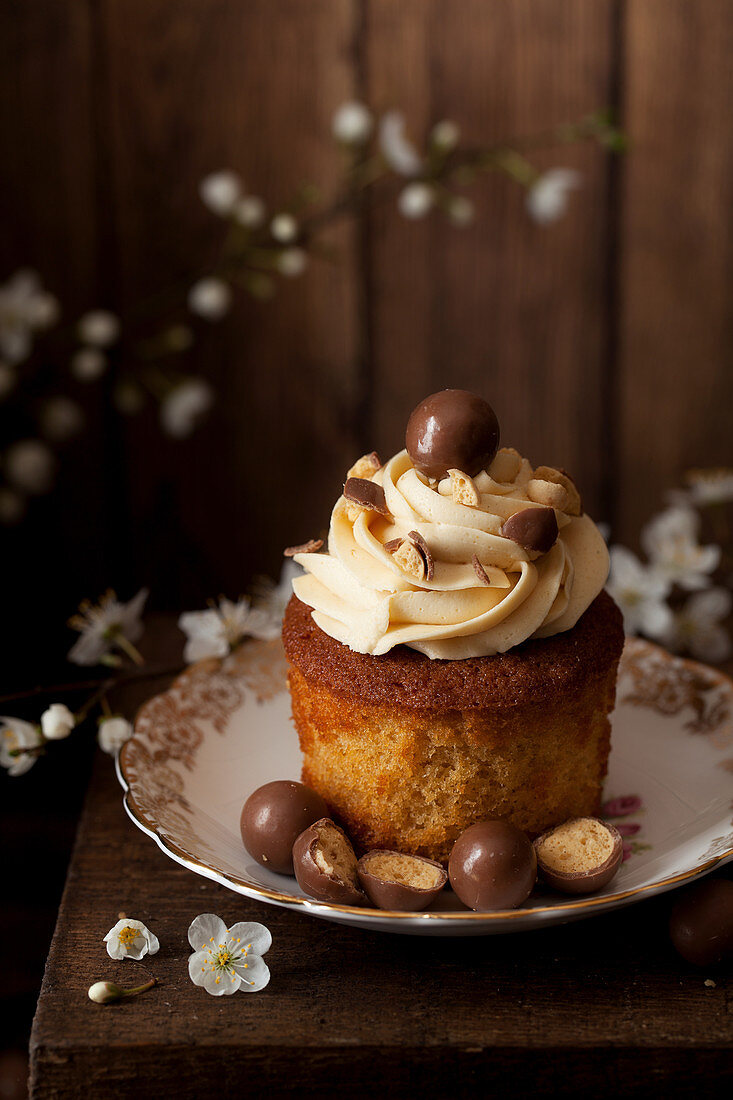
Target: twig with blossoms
{"type": "Point", "coordinates": [142, 350]}
{"type": "Point", "coordinates": [111, 625]}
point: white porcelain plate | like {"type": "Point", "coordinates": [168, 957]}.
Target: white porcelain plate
{"type": "Point", "coordinates": [224, 728]}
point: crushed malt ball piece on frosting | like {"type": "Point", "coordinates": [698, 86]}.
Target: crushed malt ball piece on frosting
{"type": "Point", "coordinates": [393, 544]}
{"type": "Point", "coordinates": [506, 465]}
{"type": "Point", "coordinates": [309, 547]}
{"type": "Point", "coordinates": [410, 560]}
{"type": "Point", "coordinates": [480, 571]}
{"type": "Point", "coordinates": [366, 466]}
{"type": "Point", "coordinates": [424, 551]}
{"type": "Point", "coordinates": [366, 494]}
{"type": "Point", "coordinates": [573, 506]}
{"type": "Point", "coordinates": [464, 489]}
{"type": "Point", "coordinates": [548, 493]}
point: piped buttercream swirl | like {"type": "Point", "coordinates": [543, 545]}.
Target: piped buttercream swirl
{"type": "Point", "coordinates": [364, 596]}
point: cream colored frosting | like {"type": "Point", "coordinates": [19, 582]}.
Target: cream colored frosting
{"type": "Point", "coordinates": [361, 596]}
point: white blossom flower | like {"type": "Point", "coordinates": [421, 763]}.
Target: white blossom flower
{"type": "Point", "coordinates": [130, 939]}
{"type": "Point", "coordinates": [249, 211]}
{"type": "Point", "coordinates": [216, 631]}
{"type": "Point", "coordinates": [547, 198]}
{"type": "Point", "coordinates": [697, 627]}
{"type": "Point", "coordinates": [670, 542]}
{"type": "Point", "coordinates": [445, 135]}
{"type": "Point", "coordinates": [16, 735]}
{"type": "Point", "coordinates": [640, 592]}
{"type": "Point", "coordinates": [12, 506]}
{"type": "Point", "coordinates": [184, 406]}
{"type": "Point", "coordinates": [415, 200]}
{"type": "Point", "coordinates": [220, 191]}
{"type": "Point", "coordinates": [99, 328]}
{"type": "Point", "coordinates": [106, 625]}
{"type": "Point", "coordinates": [88, 364]}
{"type": "Point", "coordinates": [461, 210]}
{"type": "Point", "coordinates": [210, 298]}
{"type": "Point", "coordinates": [25, 308]}
{"type": "Point", "coordinates": [284, 228]}
{"type": "Point", "coordinates": [292, 262]}
{"type": "Point", "coordinates": [61, 418]}
{"type": "Point", "coordinates": [706, 487]}
{"type": "Point", "coordinates": [352, 123]}
{"type": "Point", "coordinates": [272, 598]}
{"type": "Point", "coordinates": [113, 733]}
{"type": "Point", "coordinates": [8, 379]}
{"type": "Point", "coordinates": [400, 154]}
{"type": "Point", "coordinates": [30, 466]}
{"type": "Point", "coordinates": [228, 959]}
{"type": "Point", "coordinates": [57, 722]}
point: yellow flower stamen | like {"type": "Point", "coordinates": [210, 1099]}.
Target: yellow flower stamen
{"type": "Point", "coordinates": [128, 935]}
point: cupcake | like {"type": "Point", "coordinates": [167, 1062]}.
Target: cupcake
{"type": "Point", "coordinates": [452, 655]}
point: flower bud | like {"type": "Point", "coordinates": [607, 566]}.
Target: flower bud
{"type": "Point", "coordinates": [104, 993]}
{"type": "Point", "coordinates": [57, 722]}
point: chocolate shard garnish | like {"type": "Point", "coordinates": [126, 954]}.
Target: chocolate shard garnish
{"type": "Point", "coordinates": [532, 528]}
{"type": "Point", "coordinates": [308, 547]}
{"type": "Point", "coordinates": [366, 494]}
{"type": "Point", "coordinates": [392, 545]}
{"type": "Point", "coordinates": [419, 542]}
{"type": "Point", "coordinates": [480, 571]}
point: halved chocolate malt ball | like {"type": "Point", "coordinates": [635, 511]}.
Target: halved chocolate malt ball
{"type": "Point", "coordinates": [580, 856]}
{"type": "Point", "coordinates": [701, 922]}
{"type": "Point", "coordinates": [533, 528]}
{"type": "Point", "coordinates": [493, 866]}
{"type": "Point", "coordinates": [393, 880]}
{"type": "Point", "coordinates": [273, 817]}
{"type": "Point", "coordinates": [325, 864]}
{"type": "Point", "coordinates": [452, 429]}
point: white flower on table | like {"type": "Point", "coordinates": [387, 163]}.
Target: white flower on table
{"type": "Point", "coordinates": [57, 722]}
{"type": "Point", "coordinates": [640, 592]}
{"type": "Point", "coordinates": [220, 191]}
{"type": "Point", "coordinates": [184, 406]}
{"type": "Point", "coordinates": [547, 198]}
{"type": "Point", "coordinates": [25, 308]}
{"type": "Point", "coordinates": [107, 625]}
{"type": "Point", "coordinates": [16, 736]}
{"type": "Point", "coordinates": [216, 631]}
{"type": "Point", "coordinates": [671, 544]}
{"type": "Point", "coordinates": [113, 733]}
{"type": "Point", "coordinates": [697, 627]}
{"type": "Point", "coordinates": [30, 466]}
{"type": "Point", "coordinates": [100, 328]}
{"type": "Point", "coordinates": [398, 151]}
{"type": "Point", "coordinates": [228, 959]}
{"type": "Point", "coordinates": [130, 939]}
{"type": "Point", "coordinates": [352, 123]}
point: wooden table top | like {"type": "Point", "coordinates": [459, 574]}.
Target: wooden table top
{"type": "Point", "coordinates": [602, 1007]}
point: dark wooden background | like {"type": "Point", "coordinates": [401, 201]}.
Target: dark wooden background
{"type": "Point", "coordinates": [604, 341]}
